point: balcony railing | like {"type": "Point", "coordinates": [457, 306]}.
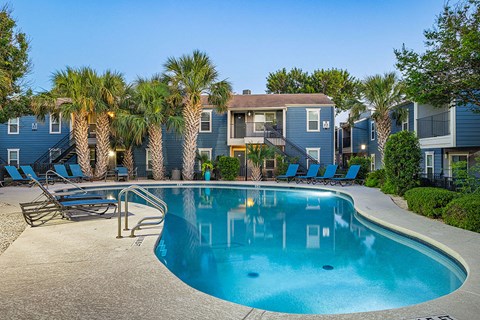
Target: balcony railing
{"type": "Point", "coordinates": [346, 142]}
{"type": "Point", "coordinates": [250, 129]}
{"type": "Point", "coordinates": [434, 126]}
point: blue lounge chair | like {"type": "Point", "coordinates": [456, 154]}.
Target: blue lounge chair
{"type": "Point", "coordinates": [329, 174]}
{"type": "Point", "coordinates": [77, 171]}
{"type": "Point", "coordinates": [349, 178]}
{"type": "Point", "coordinates": [311, 173]}
{"type": "Point", "coordinates": [28, 171]}
{"type": "Point", "coordinates": [15, 175]}
{"type": "Point", "coordinates": [61, 170]}
{"type": "Point", "coordinates": [121, 173]}
{"type": "Point", "coordinates": [39, 212]}
{"type": "Point", "coordinates": [291, 173]}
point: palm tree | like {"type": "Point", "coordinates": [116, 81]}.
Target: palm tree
{"type": "Point", "coordinates": [257, 154]}
{"type": "Point", "coordinates": [383, 93]}
{"type": "Point", "coordinates": [191, 76]}
{"type": "Point", "coordinates": [108, 88]}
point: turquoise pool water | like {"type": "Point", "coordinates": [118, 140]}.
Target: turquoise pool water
{"type": "Point", "coordinates": [295, 251]}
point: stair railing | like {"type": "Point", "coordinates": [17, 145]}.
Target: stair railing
{"type": "Point", "coordinates": [64, 143]}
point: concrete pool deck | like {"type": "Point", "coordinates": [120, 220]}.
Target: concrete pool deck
{"type": "Point", "coordinates": [79, 270]}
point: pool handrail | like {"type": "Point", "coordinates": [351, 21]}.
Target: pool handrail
{"type": "Point", "coordinates": [157, 203]}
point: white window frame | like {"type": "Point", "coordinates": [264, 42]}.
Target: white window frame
{"type": "Point", "coordinates": [147, 153]}
{"type": "Point", "coordinates": [450, 161]}
{"type": "Point", "coordinates": [57, 121]}
{"type": "Point", "coordinates": [406, 123]}
{"type": "Point", "coordinates": [9, 158]}
{"type": "Point", "coordinates": [432, 154]}
{"type": "Point", "coordinates": [51, 151]}
{"type": "Point", "coordinates": [373, 131]}
{"type": "Point", "coordinates": [209, 112]}
{"type": "Point", "coordinates": [207, 150]}
{"type": "Point", "coordinates": [308, 152]}
{"type": "Point", "coordinates": [264, 120]}
{"type": "Point", "coordinates": [17, 124]}
{"type": "Point", "coordinates": [372, 162]}
{"type": "Point", "coordinates": [314, 111]}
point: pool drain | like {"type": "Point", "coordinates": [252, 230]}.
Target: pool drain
{"type": "Point", "coordinates": [327, 267]}
{"type": "Point", "coordinates": [253, 274]}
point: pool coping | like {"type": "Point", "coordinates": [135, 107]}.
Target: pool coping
{"type": "Point", "coordinates": [463, 245]}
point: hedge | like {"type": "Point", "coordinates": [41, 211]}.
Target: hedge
{"type": "Point", "coordinates": [464, 212]}
{"type": "Point", "coordinates": [429, 201]}
{"type": "Point", "coordinates": [229, 167]}
{"type": "Point", "coordinates": [375, 178]}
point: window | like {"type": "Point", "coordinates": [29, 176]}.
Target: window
{"type": "Point", "coordinates": [13, 126]}
{"type": "Point", "coordinates": [260, 118]}
{"type": "Point", "coordinates": [148, 159]}
{"type": "Point", "coordinates": [429, 164]}
{"type": "Point", "coordinates": [313, 120]}
{"type": "Point", "coordinates": [314, 153]}
{"type": "Point", "coordinates": [55, 124]}
{"type": "Point", "coordinates": [405, 123]}
{"type": "Point", "coordinates": [372, 162]}
{"type": "Point", "coordinates": [13, 157]}
{"type": "Point", "coordinates": [54, 153]}
{"type": "Point", "coordinates": [372, 130]}
{"type": "Point", "coordinates": [206, 121]}
{"type": "Point", "coordinates": [204, 152]}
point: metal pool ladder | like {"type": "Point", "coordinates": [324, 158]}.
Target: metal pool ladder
{"type": "Point", "coordinates": [156, 202]}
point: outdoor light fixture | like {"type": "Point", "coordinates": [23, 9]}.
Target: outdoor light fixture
{"type": "Point", "coordinates": [249, 113]}
{"type": "Point", "coordinates": [111, 153]}
{"type": "Point", "coordinates": [363, 147]}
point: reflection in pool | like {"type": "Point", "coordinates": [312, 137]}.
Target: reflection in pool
{"type": "Point", "coordinates": [295, 251]}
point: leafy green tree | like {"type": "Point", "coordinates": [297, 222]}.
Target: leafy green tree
{"type": "Point", "coordinates": [336, 83]}
{"type": "Point", "coordinates": [402, 162]}
{"type": "Point", "coordinates": [257, 154]}
{"type": "Point", "coordinates": [449, 70]}
{"type": "Point", "coordinates": [14, 65]}
{"type": "Point", "coordinates": [191, 76]}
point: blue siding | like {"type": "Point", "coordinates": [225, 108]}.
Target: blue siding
{"type": "Point", "coordinates": [468, 127]}
{"type": "Point", "coordinates": [324, 139]}
{"type": "Point", "coordinates": [373, 148]}
{"type": "Point", "coordinates": [32, 143]}
{"type": "Point", "coordinates": [361, 135]}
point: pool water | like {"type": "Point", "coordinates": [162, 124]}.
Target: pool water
{"type": "Point", "coordinates": [295, 251]}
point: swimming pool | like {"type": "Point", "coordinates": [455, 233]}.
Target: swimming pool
{"type": "Point", "coordinates": [295, 251]}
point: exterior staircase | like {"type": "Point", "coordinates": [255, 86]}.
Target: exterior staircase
{"type": "Point", "coordinates": [66, 149]}
{"type": "Point", "coordinates": [273, 138]}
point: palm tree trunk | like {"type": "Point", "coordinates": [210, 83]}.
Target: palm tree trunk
{"type": "Point", "coordinates": [256, 172]}
{"type": "Point", "coordinates": [384, 128]}
{"type": "Point", "coordinates": [128, 160]}
{"type": "Point", "coordinates": [103, 144]}
{"type": "Point", "coordinates": [80, 133]}
{"type": "Point", "coordinates": [155, 144]}
{"type": "Point", "coordinates": [191, 116]}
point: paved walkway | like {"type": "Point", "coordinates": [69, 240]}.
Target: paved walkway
{"type": "Point", "coordinates": [78, 270]}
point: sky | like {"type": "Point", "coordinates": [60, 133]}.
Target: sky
{"type": "Point", "coordinates": [246, 40]}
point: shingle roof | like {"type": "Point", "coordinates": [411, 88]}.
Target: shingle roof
{"type": "Point", "coordinates": [255, 101]}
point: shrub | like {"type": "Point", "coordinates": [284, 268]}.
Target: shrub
{"type": "Point", "coordinates": [466, 180]}
{"type": "Point", "coordinates": [364, 166]}
{"type": "Point", "coordinates": [375, 178]}
{"type": "Point", "coordinates": [388, 187]}
{"type": "Point", "coordinates": [464, 212]}
{"type": "Point", "coordinates": [229, 167]}
{"type": "Point", "coordinates": [402, 161]}
{"type": "Point", "coordinates": [282, 164]}
{"type": "Point", "coordinates": [429, 201]}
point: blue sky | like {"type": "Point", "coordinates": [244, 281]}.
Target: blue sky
{"type": "Point", "coordinates": [245, 39]}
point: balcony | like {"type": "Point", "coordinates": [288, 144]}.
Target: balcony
{"type": "Point", "coordinates": [250, 132]}
{"type": "Point", "coordinates": [434, 126]}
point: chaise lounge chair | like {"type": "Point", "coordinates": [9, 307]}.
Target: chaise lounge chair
{"type": "Point", "coordinates": [291, 173]}
{"type": "Point", "coordinates": [36, 213]}
{"type": "Point", "coordinates": [329, 174]}
{"type": "Point", "coordinates": [77, 171]}
{"type": "Point", "coordinates": [62, 170]}
{"type": "Point", "coordinates": [15, 175]}
{"type": "Point", "coordinates": [349, 178]}
{"type": "Point", "coordinates": [28, 171]}
{"type": "Point", "coordinates": [311, 173]}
